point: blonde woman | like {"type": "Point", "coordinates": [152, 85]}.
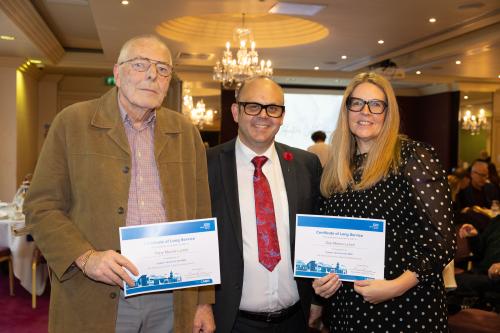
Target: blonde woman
{"type": "Point", "coordinates": [376, 173]}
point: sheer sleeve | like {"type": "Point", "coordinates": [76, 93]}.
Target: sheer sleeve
{"type": "Point", "coordinates": [433, 234]}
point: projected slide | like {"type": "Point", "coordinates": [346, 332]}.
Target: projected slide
{"type": "Point", "coordinates": [306, 113]}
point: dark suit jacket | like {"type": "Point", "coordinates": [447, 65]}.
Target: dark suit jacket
{"type": "Point", "coordinates": [301, 174]}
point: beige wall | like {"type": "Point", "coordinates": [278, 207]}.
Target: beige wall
{"type": "Point", "coordinates": [47, 104]}
{"type": "Point", "coordinates": [27, 124]}
{"type": "Point", "coordinates": [8, 133]}
{"type": "Point", "coordinates": [495, 130]}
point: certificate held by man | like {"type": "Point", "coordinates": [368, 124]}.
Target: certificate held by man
{"type": "Point", "coordinates": [352, 248]}
{"type": "Point", "coordinates": [172, 255]}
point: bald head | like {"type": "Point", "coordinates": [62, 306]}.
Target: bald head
{"type": "Point", "coordinates": [258, 84]}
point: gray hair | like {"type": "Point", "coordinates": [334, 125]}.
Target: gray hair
{"type": "Point", "coordinates": [124, 52]}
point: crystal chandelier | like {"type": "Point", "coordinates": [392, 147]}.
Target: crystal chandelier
{"type": "Point", "coordinates": [230, 70]}
{"type": "Point", "coordinates": [475, 123]}
{"type": "Point", "coordinates": [198, 115]}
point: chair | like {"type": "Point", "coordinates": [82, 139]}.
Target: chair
{"type": "Point", "coordinates": [6, 255]}
{"type": "Point", "coordinates": [35, 260]}
{"type": "Point", "coordinates": [474, 321]}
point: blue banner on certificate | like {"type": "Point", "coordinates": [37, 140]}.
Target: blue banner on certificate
{"type": "Point", "coordinates": [172, 255]}
{"type": "Point", "coordinates": [352, 248]}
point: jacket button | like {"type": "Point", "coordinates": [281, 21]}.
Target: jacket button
{"type": "Point", "coordinates": [112, 295]}
{"type": "Point", "coordinates": [125, 169]}
{"type": "Point", "coordinates": [120, 210]}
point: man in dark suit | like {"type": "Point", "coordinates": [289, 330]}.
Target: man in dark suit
{"type": "Point", "coordinates": [257, 187]}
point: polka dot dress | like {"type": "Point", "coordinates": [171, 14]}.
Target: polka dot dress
{"type": "Point", "coordinates": [416, 205]}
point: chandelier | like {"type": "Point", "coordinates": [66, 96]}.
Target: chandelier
{"type": "Point", "coordinates": [230, 70]}
{"type": "Point", "coordinates": [198, 114]}
{"type": "Point", "coordinates": [475, 123]}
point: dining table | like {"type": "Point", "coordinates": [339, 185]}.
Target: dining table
{"type": "Point", "coordinates": [22, 249]}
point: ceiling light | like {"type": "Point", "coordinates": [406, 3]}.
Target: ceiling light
{"type": "Point", "coordinates": [432, 20]}
{"type": "Point", "coordinates": [475, 122]}
{"type": "Point", "coordinates": [316, 68]}
{"type": "Point", "coordinates": [418, 72]}
{"type": "Point", "coordinates": [302, 9]}
{"type": "Point", "coordinates": [230, 70]}
{"type": "Point", "coordinates": [7, 37]}
{"type": "Point", "coordinates": [344, 57]}
{"type": "Point", "coordinates": [380, 42]}
{"type": "Point", "coordinates": [466, 97]}
{"type": "Point", "coordinates": [125, 2]}
{"type": "Point", "coordinates": [458, 62]}
{"type": "Point", "coordinates": [499, 76]}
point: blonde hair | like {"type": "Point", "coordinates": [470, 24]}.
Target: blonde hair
{"type": "Point", "coordinates": [383, 157]}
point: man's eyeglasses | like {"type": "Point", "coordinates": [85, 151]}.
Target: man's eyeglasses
{"type": "Point", "coordinates": [254, 109]}
{"type": "Point", "coordinates": [375, 106]}
{"type": "Point", "coordinates": [140, 64]}
{"type": "Point", "coordinates": [482, 175]}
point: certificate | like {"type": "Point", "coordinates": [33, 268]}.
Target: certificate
{"type": "Point", "coordinates": [172, 255]}
{"type": "Point", "coordinates": [352, 248]}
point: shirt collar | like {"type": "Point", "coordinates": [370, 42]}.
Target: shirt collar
{"type": "Point", "coordinates": [248, 154]}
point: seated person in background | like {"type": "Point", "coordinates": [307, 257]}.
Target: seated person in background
{"type": "Point", "coordinates": [480, 192]}
{"type": "Point", "coordinates": [479, 196]}
{"type": "Point", "coordinates": [485, 275]}
{"type": "Point", "coordinates": [320, 148]}
{"type": "Point", "coordinates": [458, 181]}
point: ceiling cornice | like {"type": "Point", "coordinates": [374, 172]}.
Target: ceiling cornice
{"type": "Point", "coordinates": [24, 15]}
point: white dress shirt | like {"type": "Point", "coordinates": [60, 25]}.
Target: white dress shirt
{"type": "Point", "coordinates": [264, 291]}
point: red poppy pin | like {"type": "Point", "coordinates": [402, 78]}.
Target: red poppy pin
{"type": "Point", "coordinates": [288, 156]}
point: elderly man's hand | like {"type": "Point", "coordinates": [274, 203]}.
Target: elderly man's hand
{"type": "Point", "coordinates": [494, 271]}
{"type": "Point", "coordinates": [108, 267]}
{"type": "Point", "coordinates": [327, 285]}
{"type": "Point", "coordinates": [204, 319]}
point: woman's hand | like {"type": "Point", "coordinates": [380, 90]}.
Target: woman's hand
{"type": "Point", "coordinates": [327, 285]}
{"type": "Point", "coordinates": [378, 291]}
{"type": "Point", "coordinates": [467, 230]}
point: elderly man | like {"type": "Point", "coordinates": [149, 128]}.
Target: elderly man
{"type": "Point", "coordinates": [480, 192]}
{"type": "Point", "coordinates": [257, 187]}
{"type": "Point", "coordinates": [118, 160]}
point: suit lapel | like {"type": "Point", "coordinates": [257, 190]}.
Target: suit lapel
{"type": "Point", "coordinates": [166, 130]}
{"type": "Point", "coordinates": [230, 187]}
{"type": "Point", "coordinates": [107, 115]}
{"type": "Point", "coordinates": [290, 178]}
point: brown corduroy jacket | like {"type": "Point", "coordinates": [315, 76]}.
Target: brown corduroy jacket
{"type": "Point", "coordinates": [78, 200]}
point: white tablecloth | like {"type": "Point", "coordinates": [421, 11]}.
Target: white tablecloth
{"type": "Point", "coordinates": [22, 253]}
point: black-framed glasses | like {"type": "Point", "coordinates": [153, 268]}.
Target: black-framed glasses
{"type": "Point", "coordinates": [254, 109]}
{"type": "Point", "coordinates": [480, 174]}
{"type": "Point", "coordinates": [141, 64]}
{"type": "Point", "coordinates": [375, 106]}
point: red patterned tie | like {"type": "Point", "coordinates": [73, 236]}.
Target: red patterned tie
{"type": "Point", "coordinates": [267, 235]}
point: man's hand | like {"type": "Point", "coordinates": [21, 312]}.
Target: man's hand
{"type": "Point", "coordinates": [204, 319]}
{"type": "Point", "coordinates": [378, 291]}
{"type": "Point", "coordinates": [467, 230]}
{"type": "Point", "coordinates": [108, 267]}
{"type": "Point", "coordinates": [327, 285]}
{"type": "Point", "coordinates": [494, 271]}
{"type": "Point", "coordinates": [315, 316]}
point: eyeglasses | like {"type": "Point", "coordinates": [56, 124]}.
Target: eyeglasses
{"type": "Point", "coordinates": [140, 64]}
{"type": "Point", "coordinates": [254, 109]}
{"type": "Point", "coordinates": [375, 106]}
{"type": "Point", "coordinates": [482, 175]}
